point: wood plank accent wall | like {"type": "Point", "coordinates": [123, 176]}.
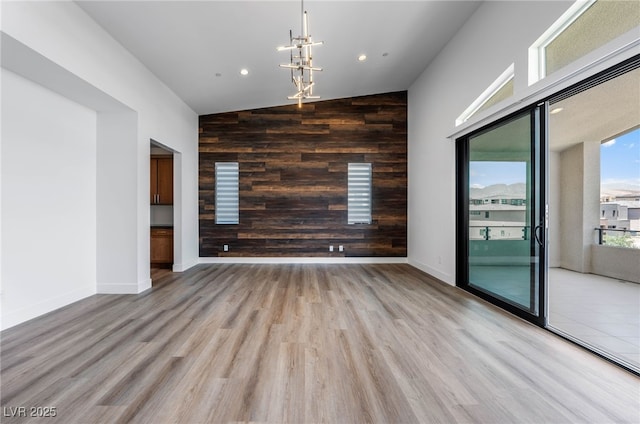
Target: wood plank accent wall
{"type": "Point", "coordinates": [293, 178]}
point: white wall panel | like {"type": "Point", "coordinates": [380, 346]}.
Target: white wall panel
{"type": "Point", "coordinates": [48, 200]}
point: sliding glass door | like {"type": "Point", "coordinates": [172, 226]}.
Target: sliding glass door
{"type": "Point", "coordinates": [570, 163]}
{"type": "Point", "coordinates": [501, 226]}
{"type": "Point", "coordinates": [593, 281]}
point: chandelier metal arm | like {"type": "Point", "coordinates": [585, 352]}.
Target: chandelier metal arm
{"type": "Point", "coordinates": [293, 66]}
{"type": "Point", "coordinates": [301, 65]}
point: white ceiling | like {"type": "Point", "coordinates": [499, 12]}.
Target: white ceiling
{"type": "Point", "coordinates": [597, 114]}
{"type": "Point", "coordinates": [186, 43]}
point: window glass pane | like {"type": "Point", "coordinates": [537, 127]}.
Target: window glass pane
{"type": "Point", "coordinates": [602, 22]}
{"type": "Point", "coordinates": [500, 89]}
{"type": "Point", "coordinates": [500, 185]}
{"type": "Point", "coordinates": [359, 193]}
{"type": "Point", "coordinates": [227, 198]}
{"type": "Point", "coordinates": [503, 93]}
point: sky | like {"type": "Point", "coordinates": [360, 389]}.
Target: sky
{"type": "Point", "coordinates": [620, 161]}
{"type": "Point", "coordinates": [619, 166]}
{"type": "Point", "coordinates": [483, 174]}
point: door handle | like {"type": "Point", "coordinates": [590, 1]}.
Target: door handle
{"type": "Point", "coordinates": [537, 235]}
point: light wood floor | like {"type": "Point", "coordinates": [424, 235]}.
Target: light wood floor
{"type": "Point", "coordinates": [158, 273]}
{"type": "Point", "coordinates": [304, 344]}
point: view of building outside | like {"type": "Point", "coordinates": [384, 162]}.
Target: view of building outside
{"type": "Point", "coordinates": [620, 190]}
{"type": "Point", "coordinates": [497, 198]}
{"type": "Point", "coordinates": [498, 195]}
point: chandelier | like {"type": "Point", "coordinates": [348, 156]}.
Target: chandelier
{"type": "Point", "coordinates": [301, 64]}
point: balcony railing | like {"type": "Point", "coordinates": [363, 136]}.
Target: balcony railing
{"type": "Point", "coordinates": [605, 236]}
{"type": "Point", "coordinates": [618, 237]}
{"type": "Point", "coordinates": [498, 232]}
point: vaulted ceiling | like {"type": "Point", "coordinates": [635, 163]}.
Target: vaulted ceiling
{"type": "Point", "coordinates": [198, 48]}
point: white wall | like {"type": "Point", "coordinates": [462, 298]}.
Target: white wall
{"type": "Point", "coordinates": [49, 200]}
{"type": "Point", "coordinates": [579, 204]}
{"type": "Point", "coordinates": [498, 34]}
{"type": "Point", "coordinates": [58, 46]}
{"type": "Point", "coordinates": [616, 262]}
{"type": "Point", "coordinates": [554, 251]}
{"type": "Point", "coordinates": [117, 230]}
{"type": "Point", "coordinates": [571, 203]}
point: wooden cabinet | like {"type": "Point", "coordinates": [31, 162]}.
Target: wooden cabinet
{"type": "Point", "coordinates": [161, 191]}
{"type": "Point", "coordinates": [161, 246]}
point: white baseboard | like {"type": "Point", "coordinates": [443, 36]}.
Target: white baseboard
{"type": "Point", "coordinates": [447, 278]}
{"type": "Point", "coordinates": [18, 316]}
{"type": "Point", "coordinates": [144, 285]}
{"type": "Point", "coordinates": [184, 266]}
{"type": "Point", "coordinates": [119, 288]}
{"type": "Point", "coordinates": [301, 260]}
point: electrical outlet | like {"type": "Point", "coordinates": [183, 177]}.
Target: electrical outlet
{"type": "Point", "coordinates": [225, 247]}
{"type": "Point", "coordinates": [341, 248]}
{"type": "Point", "coordinates": [331, 248]}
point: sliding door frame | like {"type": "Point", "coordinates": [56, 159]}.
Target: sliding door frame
{"type": "Point", "coordinates": [538, 210]}
{"type": "Point", "coordinates": [540, 155]}
{"type": "Point", "coordinates": [603, 76]}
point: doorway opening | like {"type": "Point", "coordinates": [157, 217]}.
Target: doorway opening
{"type": "Point", "coordinates": [161, 196]}
{"type": "Point", "coordinates": [594, 236]}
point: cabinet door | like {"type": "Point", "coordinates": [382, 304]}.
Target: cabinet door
{"type": "Point", "coordinates": [161, 246]}
{"type": "Point", "coordinates": [153, 189]}
{"type": "Point", "coordinates": [165, 181]}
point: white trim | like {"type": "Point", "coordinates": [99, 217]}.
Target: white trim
{"type": "Point", "coordinates": [537, 58]}
{"type": "Point", "coordinates": [302, 260]}
{"type": "Point", "coordinates": [144, 284]}
{"type": "Point", "coordinates": [628, 45]}
{"type": "Point", "coordinates": [29, 312]}
{"type": "Point", "coordinates": [442, 276]}
{"type": "Point", "coordinates": [495, 86]}
{"type": "Point", "coordinates": [118, 288]}
{"type": "Point", "coordinates": [184, 266]}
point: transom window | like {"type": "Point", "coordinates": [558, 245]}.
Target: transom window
{"type": "Point", "coordinates": [584, 27]}
{"type": "Point", "coordinates": [500, 89]}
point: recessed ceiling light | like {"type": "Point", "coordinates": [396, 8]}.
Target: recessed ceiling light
{"type": "Point", "coordinates": [244, 72]}
{"type": "Point", "coordinates": [362, 57]}
{"type": "Point", "coordinates": [556, 110]}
